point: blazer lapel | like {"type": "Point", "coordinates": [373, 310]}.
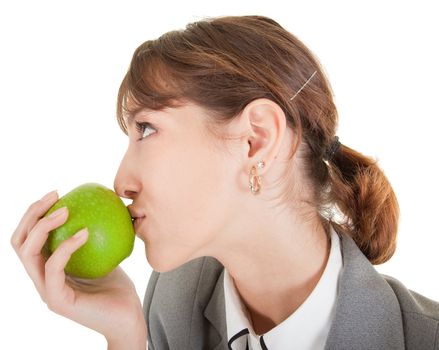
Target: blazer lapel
{"type": "Point", "coordinates": [215, 312]}
{"type": "Point", "coordinates": [367, 312]}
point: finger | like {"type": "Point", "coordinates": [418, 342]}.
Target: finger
{"type": "Point", "coordinates": [59, 295]}
{"type": "Point", "coordinates": [30, 218]}
{"type": "Point", "coordinates": [30, 251]}
{"type": "Point", "coordinates": [38, 235]}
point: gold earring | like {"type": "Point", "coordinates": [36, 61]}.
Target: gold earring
{"type": "Point", "coordinates": [255, 179]}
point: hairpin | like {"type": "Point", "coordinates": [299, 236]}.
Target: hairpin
{"type": "Point", "coordinates": [306, 82]}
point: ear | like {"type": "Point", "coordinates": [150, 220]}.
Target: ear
{"type": "Point", "coordinates": [266, 123]}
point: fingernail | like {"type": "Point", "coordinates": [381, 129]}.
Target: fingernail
{"type": "Point", "coordinates": [81, 234]}
{"type": "Point", "coordinates": [58, 212]}
{"type": "Point", "coordinates": [49, 195]}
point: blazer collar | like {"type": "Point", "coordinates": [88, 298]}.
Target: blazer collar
{"type": "Point", "coordinates": [215, 312]}
{"type": "Point", "coordinates": [367, 313]}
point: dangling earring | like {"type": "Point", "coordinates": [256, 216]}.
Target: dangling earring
{"type": "Point", "coordinates": [255, 179]}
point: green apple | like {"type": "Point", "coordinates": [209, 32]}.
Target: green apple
{"type": "Point", "coordinates": [110, 230]}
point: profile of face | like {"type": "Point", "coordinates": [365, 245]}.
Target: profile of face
{"type": "Point", "coordinates": [176, 177]}
{"type": "Point", "coordinates": [191, 181]}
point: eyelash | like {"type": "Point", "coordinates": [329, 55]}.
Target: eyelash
{"type": "Point", "coordinates": [140, 127]}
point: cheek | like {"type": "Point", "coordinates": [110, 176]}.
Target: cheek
{"type": "Point", "coordinates": [186, 190]}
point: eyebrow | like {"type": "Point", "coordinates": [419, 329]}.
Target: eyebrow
{"type": "Point", "coordinates": [130, 116]}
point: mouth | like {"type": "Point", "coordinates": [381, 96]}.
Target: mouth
{"type": "Point", "coordinates": [137, 222]}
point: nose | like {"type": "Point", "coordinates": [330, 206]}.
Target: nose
{"type": "Point", "coordinates": [125, 184]}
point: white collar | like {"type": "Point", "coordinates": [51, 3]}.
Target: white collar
{"type": "Point", "coordinates": [306, 328]}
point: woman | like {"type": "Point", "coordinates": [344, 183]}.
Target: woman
{"type": "Point", "coordinates": [261, 227]}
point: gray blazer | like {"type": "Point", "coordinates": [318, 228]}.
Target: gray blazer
{"type": "Point", "coordinates": [185, 309]}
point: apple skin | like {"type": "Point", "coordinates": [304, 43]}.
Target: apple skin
{"type": "Point", "coordinates": [110, 230]}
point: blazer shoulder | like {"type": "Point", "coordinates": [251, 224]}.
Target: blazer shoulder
{"type": "Point", "coordinates": [420, 315]}
{"type": "Point", "coordinates": [193, 280]}
{"type": "Point", "coordinates": [174, 300]}
{"type": "Point", "coordinates": [412, 301]}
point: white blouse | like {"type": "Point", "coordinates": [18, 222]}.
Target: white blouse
{"type": "Point", "coordinates": [306, 328]}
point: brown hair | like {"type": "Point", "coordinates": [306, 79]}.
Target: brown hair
{"type": "Point", "coordinates": [224, 63]}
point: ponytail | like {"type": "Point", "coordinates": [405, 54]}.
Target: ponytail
{"type": "Point", "coordinates": [364, 195]}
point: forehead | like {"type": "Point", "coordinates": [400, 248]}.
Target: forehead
{"type": "Point", "coordinates": [131, 110]}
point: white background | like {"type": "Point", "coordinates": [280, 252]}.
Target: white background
{"type": "Point", "coordinates": [61, 64]}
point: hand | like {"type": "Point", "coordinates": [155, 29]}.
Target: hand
{"type": "Point", "coordinates": [108, 305]}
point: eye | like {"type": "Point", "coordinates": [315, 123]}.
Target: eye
{"type": "Point", "coordinates": [142, 127]}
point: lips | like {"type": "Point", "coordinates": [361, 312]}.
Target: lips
{"type": "Point", "coordinates": [135, 212]}
{"type": "Point", "coordinates": [137, 222]}
{"type": "Point", "coordinates": [136, 216]}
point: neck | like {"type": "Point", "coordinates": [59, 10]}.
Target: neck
{"type": "Point", "coordinates": [274, 272]}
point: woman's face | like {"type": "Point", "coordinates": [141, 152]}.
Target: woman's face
{"type": "Point", "coordinates": [179, 181]}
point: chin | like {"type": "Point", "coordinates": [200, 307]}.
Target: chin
{"type": "Point", "coordinates": [159, 261]}
{"type": "Point", "coordinates": [162, 262]}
